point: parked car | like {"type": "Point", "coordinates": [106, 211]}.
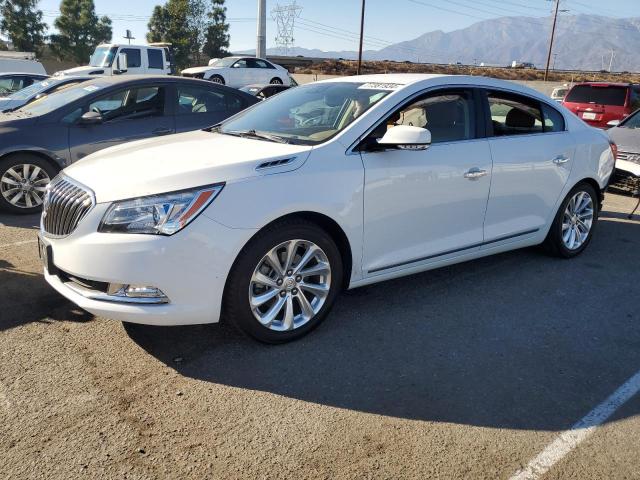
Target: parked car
{"type": "Point", "coordinates": [23, 62]}
{"type": "Point", "coordinates": [15, 81]}
{"type": "Point", "coordinates": [382, 176]}
{"type": "Point", "coordinates": [626, 135]}
{"type": "Point", "coordinates": [599, 103]}
{"type": "Point", "coordinates": [559, 93]}
{"type": "Point", "coordinates": [263, 92]}
{"type": "Point", "coordinates": [41, 138]}
{"type": "Point", "coordinates": [239, 72]}
{"type": "Point", "coordinates": [38, 90]}
{"type": "Point", "coordinates": [114, 59]}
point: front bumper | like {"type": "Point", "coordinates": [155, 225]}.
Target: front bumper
{"type": "Point", "coordinates": [190, 267]}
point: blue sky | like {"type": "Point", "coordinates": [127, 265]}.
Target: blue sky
{"type": "Point", "coordinates": [330, 24]}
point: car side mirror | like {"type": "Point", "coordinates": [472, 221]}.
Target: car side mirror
{"type": "Point", "coordinates": [613, 123]}
{"type": "Point", "coordinates": [121, 63]}
{"type": "Point", "coordinates": [91, 118]}
{"type": "Point", "coordinates": [406, 137]}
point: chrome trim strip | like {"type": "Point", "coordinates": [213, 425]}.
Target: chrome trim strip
{"type": "Point", "coordinates": [456, 250]}
{"type": "Point", "coordinates": [105, 297]}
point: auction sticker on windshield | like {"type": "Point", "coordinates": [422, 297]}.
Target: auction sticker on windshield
{"type": "Point", "coordinates": [379, 86]}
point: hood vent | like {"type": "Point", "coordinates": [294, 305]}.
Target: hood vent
{"type": "Point", "coordinates": [275, 163]}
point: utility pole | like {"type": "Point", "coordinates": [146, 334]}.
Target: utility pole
{"type": "Point", "coordinates": [129, 37]}
{"type": "Point", "coordinates": [361, 39]}
{"type": "Point", "coordinates": [261, 46]}
{"type": "Point", "coordinates": [555, 57]}
{"type": "Point", "coordinates": [553, 32]}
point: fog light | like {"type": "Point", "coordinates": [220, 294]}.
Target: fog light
{"type": "Point", "coordinates": [143, 291]}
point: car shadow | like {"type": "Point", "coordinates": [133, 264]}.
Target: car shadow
{"type": "Point", "coordinates": [20, 221]}
{"type": "Point", "coordinates": [518, 340]}
{"type": "Point", "coordinates": [26, 297]}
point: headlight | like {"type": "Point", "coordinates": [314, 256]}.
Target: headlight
{"type": "Point", "coordinates": [163, 214]}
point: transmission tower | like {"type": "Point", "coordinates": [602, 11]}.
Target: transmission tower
{"type": "Point", "coordinates": [285, 17]}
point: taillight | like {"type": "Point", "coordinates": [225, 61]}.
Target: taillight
{"type": "Point", "coordinates": [614, 149]}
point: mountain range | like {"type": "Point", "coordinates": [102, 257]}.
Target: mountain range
{"type": "Point", "coordinates": [582, 42]}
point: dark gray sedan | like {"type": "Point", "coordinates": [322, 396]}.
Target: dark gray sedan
{"type": "Point", "coordinates": [41, 138]}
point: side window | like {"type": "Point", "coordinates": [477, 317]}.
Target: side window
{"type": "Point", "coordinates": [635, 98]}
{"type": "Point", "coordinates": [553, 120]}
{"type": "Point", "coordinates": [242, 63]}
{"type": "Point", "coordinates": [134, 59]}
{"type": "Point", "coordinates": [130, 104]}
{"type": "Point", "coordinates": [449, 116]}
{"type": "Point", "coordinates": [154, 56]}
{"type": "Point", "coordinates": [261, 64]}
{"type": "Point", "coordinates": [514, 114]}
{"type": "Point", "coordinates": [201, 100]}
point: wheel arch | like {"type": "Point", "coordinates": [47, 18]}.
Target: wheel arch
{"type": "Point", "coordinates": [596, 186]}
{"type": "Point", "coordinates": [38, 153]}
{"type": "Point", "coordinates": [325, 222]}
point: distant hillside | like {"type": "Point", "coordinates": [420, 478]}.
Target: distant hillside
{"type": "Point", "coordinates": [583, 42]}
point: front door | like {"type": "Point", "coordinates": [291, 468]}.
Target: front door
{"type": "Point", "coordinates": [128, 114]}
{"type": "Point", "coordinates": [422, 206]}
{"type": "Point", "coordinates": [532, 159]}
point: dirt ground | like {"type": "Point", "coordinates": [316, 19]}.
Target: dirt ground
{"type": "Point", "coordinates": [461, 373]}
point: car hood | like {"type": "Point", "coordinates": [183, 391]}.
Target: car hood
{"type": "Point", "coordinates": [86, 70]}
{"type": "Point", "coordinates": [197, 69]}
{"type": "Point", "coordinates": [8, 103]}
{"type": "Point", "coordinates": [178, 162]}
{"type": "Point", "coordinates": [627, 139]}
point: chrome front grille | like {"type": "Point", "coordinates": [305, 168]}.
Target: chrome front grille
{"type": "Point", "coordinates": [65, 204]}
{"type": "Point", "coordinates": [629, 157]}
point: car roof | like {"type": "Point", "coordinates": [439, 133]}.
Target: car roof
{"type": "Point", "coordinates": [607, 84]}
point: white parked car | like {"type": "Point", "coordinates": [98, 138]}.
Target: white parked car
{"type": "Point", "coordinates": [22, 62]}
{"type": "Point", "coordinates": [239, 72]}
{"type": "Point", "coordinates": [113, 59]}
{"type": "Point", "coordinates": [330, 185]}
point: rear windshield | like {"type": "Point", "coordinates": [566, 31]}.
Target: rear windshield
{"type": "Point", "coordinates": [611, 95]}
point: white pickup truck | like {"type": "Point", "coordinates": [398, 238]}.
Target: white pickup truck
{"type": "Point", "coordinates": [113, 59]}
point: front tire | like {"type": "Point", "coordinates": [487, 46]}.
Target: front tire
{"type": "Point", "coordinates": [284, 282]}
{"type": "Point", "coordinates": [23, 179]}
{"type": "Point", "coordinates": [573, 226]}
{"type": "Point", "coordinates": [217, 79]}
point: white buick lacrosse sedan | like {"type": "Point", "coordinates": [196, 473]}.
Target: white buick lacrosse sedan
{"type": "Point", "coordinates": [264, 218]}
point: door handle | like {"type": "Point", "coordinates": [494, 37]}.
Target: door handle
{"type": "Point", "coordinates": [162, 131]}
{"type": "Point", "coordinates": [475, 173]}
{"type": "Point", "coordinates": [560, 160]}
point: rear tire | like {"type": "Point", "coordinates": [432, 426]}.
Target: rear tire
{"type": "Point", "coordinates": [280, 303]}
{"type": "Point", "coordinates": [574, 223]}
{"type": "Point", "coordinates": [23, 178]}
{"type": "Point", "coordinates": [217, 79]}
{"type": "Point", "coordinates": [276, 81]}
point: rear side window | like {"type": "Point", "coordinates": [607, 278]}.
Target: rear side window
{"type": "Point", "coordinates": [133, 57]}
{"type": "Point", "coordinates": [602, 95]}
{"type": "Point", "coordinates": [155, 58]}
{"type": "Point", "coordinates": [202, 100]}
{"type": "Point", "coordinates": [553, 119]}
{"type": "Point", "coordinates": [513, 114]}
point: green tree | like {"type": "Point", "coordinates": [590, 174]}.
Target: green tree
{"type": "Point", "coordinates": [22, 23]}
{"type": "Point", "coordinates": [80, 30]}
{"type": "Point", "coordinates": [217, 35]}
{"type": "Point", "coordinates": [170, 23]}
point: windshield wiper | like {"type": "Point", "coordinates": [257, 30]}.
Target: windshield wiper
{"type": "Point", "coordinates": [256, 134]}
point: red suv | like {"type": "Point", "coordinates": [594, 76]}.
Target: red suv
{"type": "Point", "coordinates": [599, 103]}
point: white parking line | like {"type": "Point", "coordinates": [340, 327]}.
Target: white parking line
{"type": "Point", "coordinates": [570, 439]}
{"type": "Point", "coordinates": [23, 242]}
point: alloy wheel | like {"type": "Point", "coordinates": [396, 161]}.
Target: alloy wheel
{"type": "Point", "coordinates": [290, 285]}
{"type": "Point", "coordinates": [24, 185]}
{"type": "Point", "coordinates": [577, 220]}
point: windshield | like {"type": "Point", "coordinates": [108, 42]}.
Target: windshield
{"type": "Point", "coordinates": [606, 95]}
{"type": "Point", "coordinates": [31, 90]}
{"type": "Point", "coordinates": [103, 56]}
{"type": "Point", "coordinates": [632, 121]}
{"type": "Point", "coordinates": [225, 62]}
{"type": "Point", "coordinates": [58, 99]}
{"type": "Point", "coordinates": [310, 114]}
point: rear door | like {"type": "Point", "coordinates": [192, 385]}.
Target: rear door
{"type": "Point", "coordinates": [131, 113]}
{"type": "Point", "coordinates": [532, 158]}
{"type": "Point", "coordinates": [199, 106]}
{"type": "Point", "coordinates": [239, 74]}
